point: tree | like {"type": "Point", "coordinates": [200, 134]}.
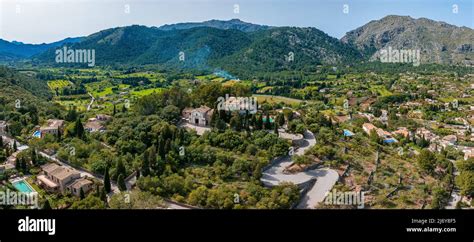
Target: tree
{"type": "Point", "coordinates": [121, 183]}
{"type": "Point", "coordinates": [46, 205]}
{"type": "Point", "coordinates": [115, 110]}
{"type": "Point", "coordinates": [79, 129]}
{"type": "Point", "coordinates": [145, 169]}
{"type": "Point", "coordinates": [97, 190]}
{"type": "Point", "coordinates": [14, 146]}
{"type": "Point", "coordinates": [280, 119]}
{"type": "Point", "coordinates": [34, 157]}
{"type": "Point", "coordinates": [259, 122]}
{"type": "Point", "coordinates": [426, 161]}
{"type": "Point", "coordinates": [275, 129]}
{"type": "Point", "coordinates": [107, 185]}
{"type": "Point", "coordinates": [268, 124]}
{"type": "Point", "coordinates": [90, 202]}
{"type": "Point", "coordinates": [81, 194]}
{"type": "Point", "coordinates": [465, 181]}
{"type": "Point", "coordinates": [103, 195]}
{"type": "Point", "coordinates": [120, 169]}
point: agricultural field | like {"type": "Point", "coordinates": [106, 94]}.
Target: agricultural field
{"type": "Point", "coordinates": [59, 84]}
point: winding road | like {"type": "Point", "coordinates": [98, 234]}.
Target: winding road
{"type": "Point", "coordinates": [325, 177]}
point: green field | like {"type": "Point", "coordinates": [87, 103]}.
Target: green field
{"type": "Point", "coordinates": [146, 92]}
{"type": "Point", "coordinates": [381, 90]}
{"type": "Point", "coordinates": [59, 84]}
{"type": "Point", "coordinates": [277, 99]}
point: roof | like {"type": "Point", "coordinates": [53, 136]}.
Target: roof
{"type": "Point", "coordinates": [59, 172]}
{"type": "Point", "coordinates": [94, 125]}
{"type": "Point", "coordinates": [53, 124]}
{"type": "Point", "coordinates": [77, 184]}
{"type": "Point", "coordinates": [49, 167]}
{"type": "Point", "coordinates": [46, 181]}
{"type": "Point", "coordinates": [202, 109]}
{"type": "Point", "coordinates": [369, 126]}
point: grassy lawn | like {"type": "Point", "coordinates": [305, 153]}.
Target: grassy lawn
{"type": "Point", "coordinates": [381, 90]}
{"type": "Point", "coordinates": [146, 92]}
{"type": "Point", "coordinates": [277, 99]}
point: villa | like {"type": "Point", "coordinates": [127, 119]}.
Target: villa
{"type": "Point", "coordinates": [402, 131]}
{"type": "Point", "coordinates": [385, 135]}
{"type": "Point", "coordinates": [53, 126]}
{"type": "Point", "coordinates": [198, 116]}
{"type": "Point", "coordinates": [55, 178]}
{"type": "Point", "coordinates": [94, 126]}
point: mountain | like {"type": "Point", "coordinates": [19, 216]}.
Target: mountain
{"type": "Point", "coordinates": [236, 24]}
{"type": "Point", "coordinates": [270, 50]}
{"type": "Point", "coordinates": [18, 50]}
{"type": "Point", "coordinates": [438, 42]}
{"type": "Point", "coordinates": [211, 48]}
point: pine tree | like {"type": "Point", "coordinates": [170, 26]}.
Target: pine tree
{"type": "Point", "coordinates": [115, 110]}
{"type": "Point", "coordinates": [275, 129]}
{"type": "Point", "coordinates": [121, 183]}
{"type": "Point", "coordinates": [107, 185]}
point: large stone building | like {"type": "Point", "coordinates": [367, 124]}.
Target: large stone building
{"type": "Point", "coordinates": [198, 116]}
{"type": "Point", "coordinates": [53, 126]}
{"type": "Point", "coordinates": [55, 178]}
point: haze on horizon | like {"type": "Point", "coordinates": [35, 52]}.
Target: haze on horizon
{"type": "Point", "coordinates": [45, 21]}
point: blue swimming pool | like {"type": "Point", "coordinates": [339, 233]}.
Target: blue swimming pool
{"type": "Point", "coordinates": [23, 186]}
{"type": "Point", "coordinates": [37, 134]}
{"type": "Point", "coordinates": [348, 133]}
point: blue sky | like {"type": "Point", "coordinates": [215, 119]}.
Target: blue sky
{"type": "Point", "coordinates": [38, 21]}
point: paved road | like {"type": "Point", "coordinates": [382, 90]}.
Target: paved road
{"type": "Point", "coordinates": [325, 178]}
{"type": "Point", "coordinates": [455, 196]}
{"type": "Point", "coordinates": [92, 101]}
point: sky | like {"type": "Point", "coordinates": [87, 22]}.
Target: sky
{"type": "Point", "coordinates": [45, 21]}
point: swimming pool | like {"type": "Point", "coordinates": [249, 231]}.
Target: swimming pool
{"type": "Point", "coordinates": [37, 134]}
{"type": "Point", "coordinates": [23, 186]}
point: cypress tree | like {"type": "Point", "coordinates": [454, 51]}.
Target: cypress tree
{"type": "Point", "coordinates": [79, 129]}
{"type": "Point", "coordinates": [81, 194]}
{"type": "Point", "coordinates": [121, 183]}
{"type": "Point", "coordinates": [107, 185]}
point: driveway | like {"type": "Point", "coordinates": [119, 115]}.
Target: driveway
{"type": "Point", "coordinates": [325, 177]}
